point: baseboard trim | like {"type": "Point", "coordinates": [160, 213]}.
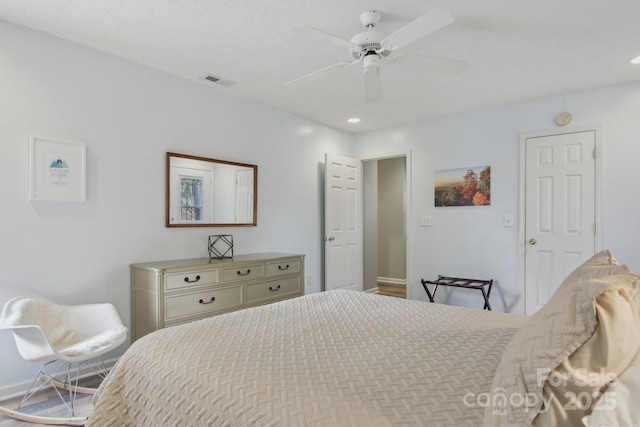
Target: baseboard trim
{"type": "Point", "coordinates": [19, 389]}
{"type": "Point", "coordinates": [392, 281]}
{"type": "Point", "coordinates": [372, 290]}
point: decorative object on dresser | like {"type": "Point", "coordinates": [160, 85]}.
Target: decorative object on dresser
{"type": "Point", "coordinates": [220, 246]}
{"type": "Point", "coordinates": [167, 293]}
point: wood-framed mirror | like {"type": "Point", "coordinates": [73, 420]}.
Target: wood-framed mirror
{"type": "Point", "coordinates": [205, 192]}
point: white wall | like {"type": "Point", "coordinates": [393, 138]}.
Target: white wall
{"type": "Point", "coordinates": [472, 241]}
{"type": "Point", "coordinates": [130, 116]}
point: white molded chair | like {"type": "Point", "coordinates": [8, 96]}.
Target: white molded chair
{"type": "Point", "coordinates": [65, 339]}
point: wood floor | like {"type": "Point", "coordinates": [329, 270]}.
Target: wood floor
{"type": "Point", "coordinates": [392, 290]}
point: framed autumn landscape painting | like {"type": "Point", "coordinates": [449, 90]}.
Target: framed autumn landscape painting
{"type": "Point", "coordinates": [463, 187]}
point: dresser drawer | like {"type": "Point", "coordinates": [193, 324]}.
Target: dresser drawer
{"type": "Point", "coordinates": [291, 266]}
{"type": "Point", "coordinates": [272, 289]}
{"type": "Point", "coordinates": [202, 303]}
{"type": "Point", "coordinates": [245, 272]}
{"type": "Point", "coordinates": [191, 278]}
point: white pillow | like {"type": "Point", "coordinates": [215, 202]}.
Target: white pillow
{"type": "Point", "coordinates": [618, 406]}
{"type": "Point", "coordinates": [601, 264]}
{"type": "Point", "coordinates": [587, 326]}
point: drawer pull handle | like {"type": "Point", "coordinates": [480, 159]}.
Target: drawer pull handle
{"type": "Point", "coordinates": [207, 302]}
{"type": "Point", "coordinates": [272, 289]}
{"type": "Point", "coordinates": [186, 279]}
{"type": "Point", "coordinates": [244, 274]}
{"type": "Point", "coordinates": [281, 268]}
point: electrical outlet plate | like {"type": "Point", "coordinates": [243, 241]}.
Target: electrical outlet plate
{"type": "Point", "coordinates": [508, 220]}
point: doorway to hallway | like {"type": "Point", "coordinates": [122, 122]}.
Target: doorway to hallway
{"type": "Point", "coordinates": [385, 237]}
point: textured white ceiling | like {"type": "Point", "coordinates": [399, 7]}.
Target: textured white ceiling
{"type": "Point", "coordinates": [516, 49]}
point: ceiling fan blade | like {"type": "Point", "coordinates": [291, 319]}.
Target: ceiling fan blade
{"type": "Point", "coordinates": [372, 85]}
{"type": "Point", "coordinates": [319, 73]}
{"type": "Point", "coordinates": [431, 21]}
{"type": "Point", "coordinates": [314, 33]}
{"type": "Point", "coordinates": [431, 63]}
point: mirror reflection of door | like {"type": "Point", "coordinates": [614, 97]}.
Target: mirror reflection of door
{"type": "Point", "coordinates": [190, 191]}
{"type": "Point", "coordinates": [244, 196]}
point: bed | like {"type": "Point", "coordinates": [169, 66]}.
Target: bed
{"type": "Point", "coordinates": [345, 358]}
{"type": "Point", "coordinates": [327, 359]}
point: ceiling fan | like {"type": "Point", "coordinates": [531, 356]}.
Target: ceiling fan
{"type": "Point", "coordinates": [372, 48]}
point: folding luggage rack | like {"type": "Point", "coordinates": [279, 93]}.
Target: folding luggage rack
{"type": "Point", "coordinates": [458, 282]}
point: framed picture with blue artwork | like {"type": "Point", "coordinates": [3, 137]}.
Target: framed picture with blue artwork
{"type": "Point", "coordinates": [58, 170]}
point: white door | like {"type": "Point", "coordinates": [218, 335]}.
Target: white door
{"type": "Point", "coordinates": [343, 223]}
{"type": "Point", "coordinates": [560, 210]}
{"type": "Point", "coordinates": [244, 196]}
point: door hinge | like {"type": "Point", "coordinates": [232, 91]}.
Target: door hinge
{"type": "Point", "coordinates": [594, 153]}
{"type": "Point", "coordinates": [594, 228]}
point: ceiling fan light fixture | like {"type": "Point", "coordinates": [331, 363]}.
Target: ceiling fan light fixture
{"type": "Point", "coordinates": [370, 61]}
{"type": "Point", "coordinates": [353, 120]}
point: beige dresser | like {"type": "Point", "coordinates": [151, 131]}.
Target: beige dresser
{"type": "Point", "coordinates": [168, 293]}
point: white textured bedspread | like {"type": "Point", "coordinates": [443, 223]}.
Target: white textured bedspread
{"type": "Point", "coordinates": [338, 358]}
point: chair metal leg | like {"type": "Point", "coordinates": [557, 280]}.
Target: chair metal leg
{"type": "Point", "coordinates": [98, 368]}
{"type": "Point", "coordinates": [45, 378]}
{"type": "Point", "coordinates": [48, 376]}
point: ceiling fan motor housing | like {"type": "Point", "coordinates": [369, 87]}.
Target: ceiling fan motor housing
{"type": "Point", "coordinates": [368, 43]}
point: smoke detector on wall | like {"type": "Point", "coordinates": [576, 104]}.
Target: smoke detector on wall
{"type": "Point", "coordinates": [563, 119]}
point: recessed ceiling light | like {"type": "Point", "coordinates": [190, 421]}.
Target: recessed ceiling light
{"type": "Point", "coordinates": [636, 60]}
{"type": "Point", "coordinates": [354, 120]}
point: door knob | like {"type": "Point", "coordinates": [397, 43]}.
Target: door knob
{"type": "Point", "coordinates": [329, 238]}
{"type": "Point", "coordinates": [532, 241]}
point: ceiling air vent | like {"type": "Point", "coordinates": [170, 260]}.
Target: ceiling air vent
{"type": "Point", "coordinates": [219, 80]}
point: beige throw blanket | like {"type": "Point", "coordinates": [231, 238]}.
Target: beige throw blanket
{"type": "Point", "coordinates": [338, 358]}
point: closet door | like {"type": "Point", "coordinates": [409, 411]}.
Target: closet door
{"type": "Point", "coordinates": [560, 211]}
